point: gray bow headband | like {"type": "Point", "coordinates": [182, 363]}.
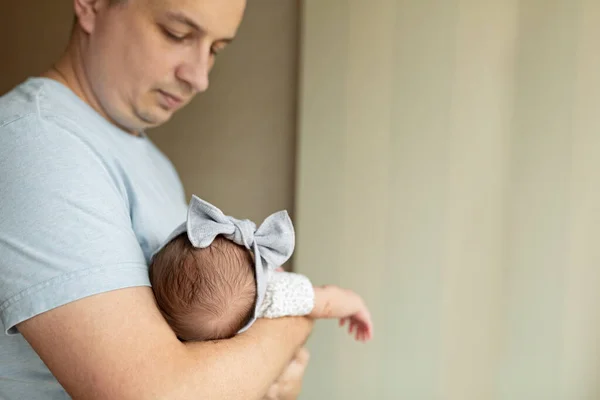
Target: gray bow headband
{"type": "Point", "coordinates": [272, 243]}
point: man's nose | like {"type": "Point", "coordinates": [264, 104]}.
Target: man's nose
{"type": "Point", "coordinates": [196, 71]}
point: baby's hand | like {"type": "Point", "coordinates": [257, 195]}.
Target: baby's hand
{"type": "Point", "coordinates": [360, 324]}
{"type": "Point", "coordinates": [335, 302]}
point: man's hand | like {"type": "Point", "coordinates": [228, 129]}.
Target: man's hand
{"type": "Point", "coordinates": [289, 384]}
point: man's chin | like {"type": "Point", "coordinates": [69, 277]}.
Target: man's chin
{"type": "Point", "coordinates": [154, 119]}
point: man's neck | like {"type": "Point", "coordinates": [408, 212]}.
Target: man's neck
{"type": "Point", "coordinates": [69, 70]}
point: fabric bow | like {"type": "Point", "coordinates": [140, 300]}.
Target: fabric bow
{"type": "Point", "coordinates": [273, 241]}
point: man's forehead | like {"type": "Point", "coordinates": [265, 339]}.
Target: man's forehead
{"type": "Point", "coordinates": [219, 17]}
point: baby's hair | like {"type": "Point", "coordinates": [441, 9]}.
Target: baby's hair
{"type": "Point", "coordinates": [204, 294]}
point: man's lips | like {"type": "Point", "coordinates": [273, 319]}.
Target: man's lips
{"type": "Point", "coordinates": [170, 100]}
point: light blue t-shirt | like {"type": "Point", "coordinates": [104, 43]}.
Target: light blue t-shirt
{"type": "Point", "coordinates": [83, 205]}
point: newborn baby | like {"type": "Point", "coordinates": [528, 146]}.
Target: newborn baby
{"type": "Point", "coordinates": [216, 275]}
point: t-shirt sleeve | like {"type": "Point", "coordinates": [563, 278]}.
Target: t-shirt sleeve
{"type": "Point", "coordinates": [65, 227]}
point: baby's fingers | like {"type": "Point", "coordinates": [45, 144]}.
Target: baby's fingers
{"type": "Point", "coordinates": [364, 330]}
{"type": "Point", "coordinates": [366, 321]}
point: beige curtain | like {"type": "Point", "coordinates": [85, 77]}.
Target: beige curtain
{"type": "Point", "coordinates": [449, 171]}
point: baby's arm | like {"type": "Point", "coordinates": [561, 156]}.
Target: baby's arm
{"type": "Point", "coordinates": [290, 294]}
{"type": "Point", "coordinates": [336, 302]}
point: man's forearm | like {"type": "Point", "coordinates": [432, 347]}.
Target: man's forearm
{"type": "Point", "coordinates": [97, 352]}
{"type": "Point", "coordinates": [245, 366]}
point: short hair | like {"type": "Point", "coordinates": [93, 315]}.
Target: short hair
{"type": "Point", "coordinates": [204, 294]}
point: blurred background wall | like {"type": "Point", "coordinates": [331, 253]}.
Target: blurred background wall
{"type": "Point", "coordinates": [445, 166]}
{"type": "Point", "coordinates": [448, 169]}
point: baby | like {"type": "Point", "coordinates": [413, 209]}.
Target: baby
{"type": "Point", "coordinates": [216, 275]}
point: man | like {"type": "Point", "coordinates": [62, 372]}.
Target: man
{"type": "Point", "coordinates": [86, 198]}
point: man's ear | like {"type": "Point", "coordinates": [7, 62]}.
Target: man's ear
{"type": "Point", "coordinates": [86, 12]}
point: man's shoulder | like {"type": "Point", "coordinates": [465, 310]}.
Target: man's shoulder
{"type": "Point", "coordinates": [26, 131]}
{"type": "Point", "coordinates": [36, 145]}
{"type": "Point", "coordinates": [47, 102]}
{"type": "Point", "coordinates": [41, 118]}
{"type": "Point", "coordinates": [20, 102]}
{"type": "Point", "coordinates": [26, 110]}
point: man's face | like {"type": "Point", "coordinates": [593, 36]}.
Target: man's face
{"type": "Point", "coordinates": [148, 58]}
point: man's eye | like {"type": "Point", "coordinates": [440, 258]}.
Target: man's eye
{"type": "Point", "coordinates": [173, 36]}
{"type": "Point", "coordinates": [216, 50]}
